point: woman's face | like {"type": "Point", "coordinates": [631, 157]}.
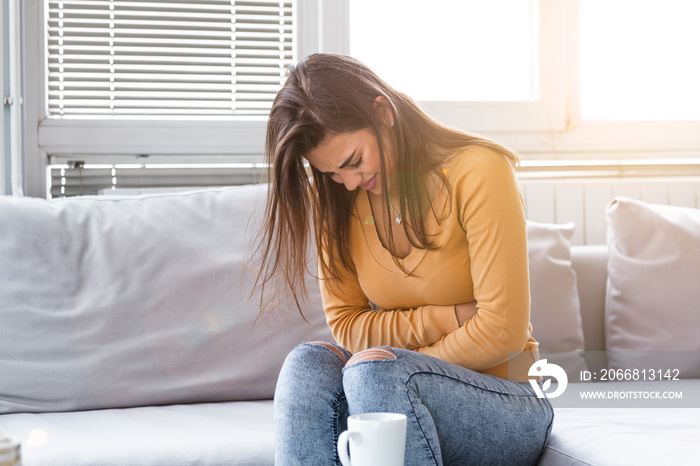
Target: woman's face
{"type": "Point", "coordinates": [351, 159]}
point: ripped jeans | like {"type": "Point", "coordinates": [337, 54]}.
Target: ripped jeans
{"type": "Point", "coordinates": [456, 416]}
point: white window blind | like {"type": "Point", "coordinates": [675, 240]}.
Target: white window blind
{"type": "Point", "coordinates": [162, 59]}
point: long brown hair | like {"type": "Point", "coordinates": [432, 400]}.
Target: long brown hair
{"type": "Point", "coordinates": [325, 95]}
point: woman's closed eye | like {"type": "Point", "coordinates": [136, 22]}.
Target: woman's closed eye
{"type": "Point", "coordinates": [354, 166]}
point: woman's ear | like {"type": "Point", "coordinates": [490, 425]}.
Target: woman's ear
{"type": "Point", "coordinates": [382, 105]}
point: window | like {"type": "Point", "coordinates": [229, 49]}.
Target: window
{"type": "Point", "coordinates": [475, 60]}
{"type": "Point", "coordinates": [559, 121]}
{"type": "Point", "coordinates": [152, 93]}
{"type": "Point", "coordinates": [651, 70]}
{"type": "Point", "coordinates": [156, 92]}
{"type": "Point", "coordinates": [479, 66]}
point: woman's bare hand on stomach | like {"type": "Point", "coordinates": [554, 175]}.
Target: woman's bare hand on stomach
{"type": "Point", "coordinates": [465, 312]}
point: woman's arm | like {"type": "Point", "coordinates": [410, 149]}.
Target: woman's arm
{"type": "Point", "coordinates": [356, 326]}
{"type": "Point", "coordinates": [493, 219]}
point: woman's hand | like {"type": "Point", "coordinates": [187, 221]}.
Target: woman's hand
{"type": "Point", "coordinates": [465, 312]}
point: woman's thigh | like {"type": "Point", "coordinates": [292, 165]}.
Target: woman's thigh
{"type": "Point", "coordinates": [455, 415]}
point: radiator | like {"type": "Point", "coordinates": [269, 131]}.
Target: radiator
{"type": "Point", "coordinates": [584, 201]}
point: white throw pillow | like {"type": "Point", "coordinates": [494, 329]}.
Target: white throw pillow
{"type": "Point", "coordinates": [653, 292]}
{"type": "Point", "coordinates": [555, 308]}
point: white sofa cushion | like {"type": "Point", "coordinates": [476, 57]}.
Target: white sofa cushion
{"type": "Point", "coordinates": [653, 291]}
{"type": "Point", "coordinates": [623, 436]}
{"type": "Point", "coordinates": [555, 308]}
{"type": "Point", "coordinates": [175, 327]}
{"type": "Point", "coordinates": [238, 433]}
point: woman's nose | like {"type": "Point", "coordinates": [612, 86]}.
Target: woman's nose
{"type": "Point", "coordinates": [351, 179]}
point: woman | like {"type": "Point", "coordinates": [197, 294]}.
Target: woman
{"type": "Point", "coordinates": [422, 259]}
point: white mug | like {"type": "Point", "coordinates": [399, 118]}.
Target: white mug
{"type": "Point", "coordinates": [375, 439]}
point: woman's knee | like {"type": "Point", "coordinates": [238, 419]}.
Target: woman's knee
{"type": "Point", "coordinates": [373, 381]}
{"type": "Point", "coordinates": [379, 353]}
{"type": "Point", "coordinates": [337, 350]}
{"type": "Point", "coordinates": [312, 366]}
{"type": "Point", "coordinates": [372, 368]}
{"type": "Point", "coordinates": [314, 352]}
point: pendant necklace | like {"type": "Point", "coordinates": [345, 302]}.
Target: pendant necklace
{"type": "Point", "coordinates": [397, 215]}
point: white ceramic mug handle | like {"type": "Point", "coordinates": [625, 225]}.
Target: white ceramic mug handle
{"type": "Point", "coordinates": [343, 447]}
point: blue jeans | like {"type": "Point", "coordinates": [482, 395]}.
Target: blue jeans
{"type": "Point", "coordinates": [456, 416]}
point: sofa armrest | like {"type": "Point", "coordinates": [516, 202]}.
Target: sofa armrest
{"type": "Point", "coordinates": [590, 264]}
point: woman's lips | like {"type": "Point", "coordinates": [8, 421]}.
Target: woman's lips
{"type": "Point", "coordinates": [369, 184]}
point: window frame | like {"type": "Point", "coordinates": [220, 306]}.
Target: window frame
{"type": "Point", "coordinates": [4, 159]}
{"type": "Point", "coordinates": [550, 129]}
{"type": "Point", "coordinates": [11, 169]}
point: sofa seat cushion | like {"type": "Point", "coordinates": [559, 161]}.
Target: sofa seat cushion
{"type": "Point", "coordinates": [625, 435]}
{"type": "Point", "coordinates": [229, 433]}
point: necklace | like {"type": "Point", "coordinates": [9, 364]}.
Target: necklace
{"type": "Point", "coordinates": [397, 215]}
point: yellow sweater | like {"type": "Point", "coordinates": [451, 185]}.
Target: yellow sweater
{"type": "Point", "coordinates": [481, 255]}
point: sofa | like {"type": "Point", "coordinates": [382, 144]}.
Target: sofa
{"type": "Point", "coordinates": [130, 335]}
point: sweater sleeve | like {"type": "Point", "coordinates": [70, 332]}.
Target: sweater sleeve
{"type": "Point", "coordinates": [491, 213]}
{"type": "Point", "coordinates": [356, 326]}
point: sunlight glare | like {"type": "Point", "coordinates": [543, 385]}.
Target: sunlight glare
{"type": "Point", "coordinates": [640, 59]}
{"type": "Point", "coordinates": [456, 50]}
